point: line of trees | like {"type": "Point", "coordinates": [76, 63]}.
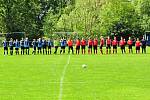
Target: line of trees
{"type": "Point", "coordinates": [43, 17]}
{"type": "Point", "coordinates": [27, 15]}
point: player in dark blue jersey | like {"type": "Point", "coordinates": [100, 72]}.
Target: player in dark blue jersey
{"type": "Point", "coordinates": [44, 45]}
{"type": "Point", "coordinates": [39, 43]}
{"type": "Point", "coordinates": [17, 45]}
{"type": "Point", "coordinates": [49, 44]}
{"type": "Point", "coordinates": [27, 45]}
{"type": "Point", "coordinates": [34, 44]}
{"type": "Point", "coordinates": [143, 42]}
{"type": "Point", "coordinates": [11, 44]}
{"type": "Point", "coordinates": [22, 46]}
{"type": "Point", "coordinates": [62, 44]}
{"type": "Point", "coordinates": [65, 44]}
{"type": "Point", "coordinates": [5, 45]}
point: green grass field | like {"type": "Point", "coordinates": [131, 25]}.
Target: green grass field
{"type": "Point", "coordinates": [61, 77]}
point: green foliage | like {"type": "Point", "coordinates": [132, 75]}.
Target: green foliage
{"type": "Point", "coordinates": [20, 15]}
{"type": "Point", "coordinates": [101, 17]}
{"type": "Point", "coordinates": [27, 15]}
{"type": "Point", "coordinates": [145, 14]}
{"type": "Point", "coordinates": [2, 14]}
{"type": "Point", "coordinates": [105, 16]}
{"type": "Point", "coordinates": [50, 21]}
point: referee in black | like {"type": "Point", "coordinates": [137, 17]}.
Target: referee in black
{"type": "Point", "coordinates": [143, 41]}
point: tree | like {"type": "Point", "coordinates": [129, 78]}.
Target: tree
{"type": "Point", "coordinates": [20, 15]}
{"type": "Point", "coordinates": [42, 17]}
{"type": "Point", "coordinates": [83, 17]}
{"type": "Point", "coordinates": [2, 15]}
{"type": "Point", "coordinates": [57, 15]}
{"type": "Point", "coordinates": [144, 6]}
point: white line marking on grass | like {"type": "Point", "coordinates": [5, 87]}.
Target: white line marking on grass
{"type": "Point", "coordinates": [12, 82]}
{"type": "Point", "coordinates": [62, 79]}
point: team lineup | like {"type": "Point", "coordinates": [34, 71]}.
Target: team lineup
{"type": "Point", "coordinates": [43, 46]}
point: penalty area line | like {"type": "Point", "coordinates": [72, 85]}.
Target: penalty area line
{"type": "Point", "coordinates": [62, 79]}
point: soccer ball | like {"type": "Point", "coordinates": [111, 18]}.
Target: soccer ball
{"type": "Point", "coordinates": [84, 66]}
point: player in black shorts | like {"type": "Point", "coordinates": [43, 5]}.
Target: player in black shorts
{"type": "Point", "coordinates": [44, 43]}
{"type": "Point", "coordinates": [83, 44]}
{"type": "Point", "coordinates": [95, 45]}
{"type": "Point", "coordinates": [5, 45]}
{"type": "Point", "coordinates": [138, 45]}
{"type": "Point", "coordinates": [49, 43]}
{"type": "Point", "coordinates": [90, 44]}
{"type": "Point", "coordinates": [108, 45]}
{"type": "Point", "coordinates": [78, 46]}
{"type": "Point", "coordinates": [22, 46]}
{"type": "Point", "coordinates": [130, 43]}
{"type": "Point", "coordinates": [34, 44]}
{"type": "Point", "coordinates": [17, 45]}
{"type": "Point", "coordinates": [39, 42]}
{"type": "Point", "coordinates": [122, 44]}
{"type": "Point", "coordinates": [70, 46]}
{"type": "Point", "coordinates": [11, 44]}
{"type": "Point", "coordinates": [143, 42]}
{"type": "Point", "coordinates": [101, 44]}
{"type": "Point", "coordinates": [26, 45]}
{"type": "Point", "coordinates": [114, 44]}
{"type": "Point", "coordinates": [62, 46]}
{"type": "Point", "coordinates": [65, 44]}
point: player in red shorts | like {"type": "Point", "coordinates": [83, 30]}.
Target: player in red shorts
{"type": "Point", "coordinates": [101, 44]}
{"type": "Point", "coordinates": [138, 45]}
{"type": "Point", "coordinates": [130, 43]}
{"type": "Point", "coordinates": [114, 44]}
{"type": "Point", "coordinates": [83, 44]}
{"type": "Point", "coordinates": [90, 44]}
{"type": "Point", "coordinates": [108, 45]}
{"type": "Point", "coordinates": [95, 44]}
{"type": "Point", "coordinates": [78, 46]}
{"type": "Point", "coordinates": [122, 44]}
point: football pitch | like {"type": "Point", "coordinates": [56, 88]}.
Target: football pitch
{"type": "Point", "coordinates": [61, 77]}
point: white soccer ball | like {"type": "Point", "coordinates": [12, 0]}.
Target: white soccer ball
{"type": "Point", "coordinates": [84, 66]}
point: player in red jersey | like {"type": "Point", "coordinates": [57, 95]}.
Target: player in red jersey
{"type": "Point", "coordinates": [90, 44]}
{"type": "Point", "coordinates": [70, 45]}
{"type": "Point", "coordinates": [95, 44]}
{"type": "Point", "coordinates": [101, 44]}
{"type": "Point", "coordinates": [78, 46]}
{"type": "Point", "coordinates": [130, 43]}
{"type": "Point", "coordinates": [138, 45]}
{"type": "Point", "coordinates": [122, 44]}
{"type": "Point", "coordinates": [114, 44]}
{"type": "Point", "coordinates": [108, 45]}
{"type": "Point", "coordinates": [83, 44]}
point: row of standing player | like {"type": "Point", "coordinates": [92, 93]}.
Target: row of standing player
{"type": "Point", "coordinates": [114, 43]}
{"type": "Point", "coordinates": [24, 44]}
{"type": "Point", "coordinates": [122, 43]}
{"type": "Point", "coordinates": [93, 44]}
{"type": "Point", "coordinates": [46, 45]}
